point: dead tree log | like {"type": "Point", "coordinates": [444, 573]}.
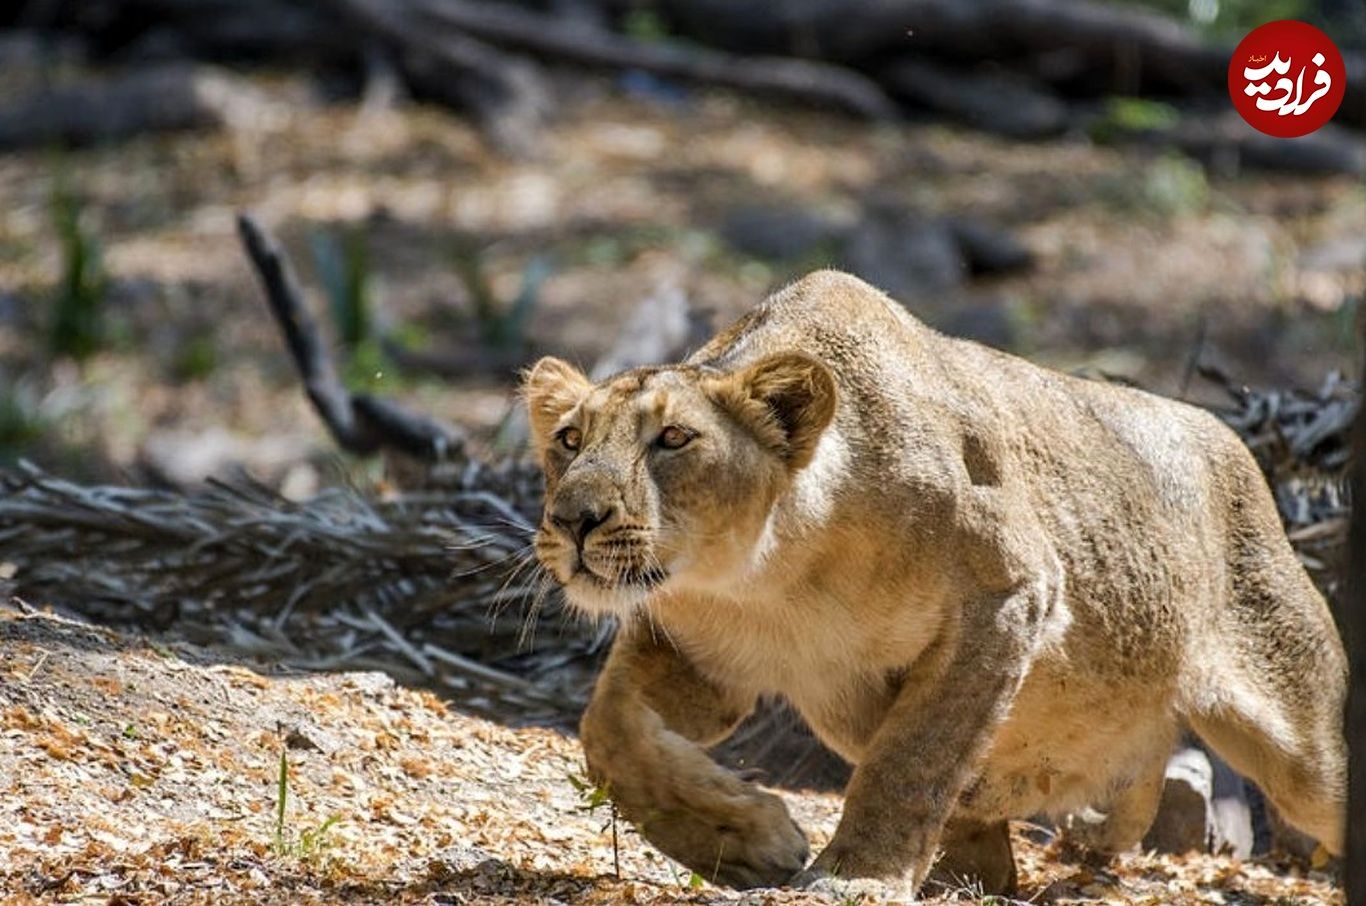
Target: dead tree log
{"type": "Point", "coordinates": [1102, 47]}
{"type": "Point", "coordinates": [156, 99]}
{"type": "Point", "coordinates": [991, 101]}
{"type": "Point", "coordinates": [360, 423]}
{"type": "Point", "coordinates": [236, 30]}
{"type": "Point", "coordinates": [848, 54]}
{"type": "Point", "coordinates": [556, 38]}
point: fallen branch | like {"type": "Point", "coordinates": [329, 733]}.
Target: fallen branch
{"type": "Point", "coordinates": [360, 423]}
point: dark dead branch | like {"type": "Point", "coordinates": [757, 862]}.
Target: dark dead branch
{"type": "Point", "coordinates": [360, 423]}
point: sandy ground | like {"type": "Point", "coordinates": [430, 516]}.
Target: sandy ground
{"type": "Point", "coordinates": [138, 771]}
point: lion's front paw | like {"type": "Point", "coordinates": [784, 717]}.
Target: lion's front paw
{"type": "Point", "coordinates": [899, 859]}
{"type": "Point", "coordinates": [853, 890]}
{"type": "Point", "coordinates": [745, 841]}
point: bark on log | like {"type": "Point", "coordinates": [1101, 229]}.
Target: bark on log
{"type": "Point", "coordinates": [293, 30]}
{"type": "Point", "coordinates": [157, 99]}
{"type": "Point", "coordinates": [1102, 47]}
{"type": "Point", "coordinates": [1353, 109]}
{"type": "Point", "coordinates": [551, 37]}
{"type": "Point", "coordinates": [1079, 47]}
{"type": "Point", "coordinates": [995, 102]}
{"type": "Point", "coordinates": [1225, 143]}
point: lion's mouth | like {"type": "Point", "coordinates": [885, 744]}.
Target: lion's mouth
{"type": "Point", "coordinates": [645, 578]}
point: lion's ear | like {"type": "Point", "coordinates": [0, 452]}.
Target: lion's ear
{"type": "Point", "coordinates": [787, 400]}
{"type": "Point", "coordinates": [551, 388]}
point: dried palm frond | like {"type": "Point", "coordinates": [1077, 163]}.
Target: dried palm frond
{"type": "Point", "coordinates": [437, 587]}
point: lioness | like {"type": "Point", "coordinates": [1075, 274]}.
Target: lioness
{"type": "Point", "coordinates": [995, 589]}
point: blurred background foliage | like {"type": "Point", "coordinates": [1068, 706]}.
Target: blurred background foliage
{"type": "Point", "coordinates": [456, 212]}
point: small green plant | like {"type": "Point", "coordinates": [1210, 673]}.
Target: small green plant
{"type": "Point", "coordinates": [501, 324]}
{"type": "Point", "coordinates": [1128, 116]}
{"type": "Point", "coordinates": [344, 269]}
{"type": "Point", "coordinates": [196, 359]}
{"type": "Point", "coordinates": [694, 881]}
{"type": "Point", "coordinates": [312, 841]}
{"type": "Point", "coordinates": [281, 799]}
{"type": "Point", "coordinates": [1175, 184]}
{"type": "Point", "coordinates": [77, 326]}
{"type": "Point", "coordinates": [343, 266]}
{"type": "Point", "coordinates": [592, 797]}
{"type": "Point", "coordinates": [21, 422]}
{"type": "Point", "coordinates": [644, 24]}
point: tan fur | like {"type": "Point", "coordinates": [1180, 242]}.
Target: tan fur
{"type": "Point", "coordinates": [995, 589]}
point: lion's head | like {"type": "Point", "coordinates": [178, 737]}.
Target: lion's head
{"type": "Point", "coordinates": [666, 475]}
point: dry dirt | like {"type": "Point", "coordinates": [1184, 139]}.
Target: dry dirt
{"type": "Point", "coordinates": [134, 770]}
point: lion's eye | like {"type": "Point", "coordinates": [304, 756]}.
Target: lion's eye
{"type": "Point", "coordinates": [570, 438]}
{"type": "Point", "coordinates": [674, 437]}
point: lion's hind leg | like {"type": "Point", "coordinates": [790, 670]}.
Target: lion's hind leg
{"type": "Point", "coordinates": [1270, 697]}
{"type": "Point", "coordinates": [976, 857]}
{"type": "Point", "coordinates": [1267, 677]}
{"type": "Point", "coordinates": [1299, 764]}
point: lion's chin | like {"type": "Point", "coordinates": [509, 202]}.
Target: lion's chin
{"type": "Point", "coordinates": [594, 598]}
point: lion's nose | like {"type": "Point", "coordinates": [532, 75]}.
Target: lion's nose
{"type": "Point", "coordinates": [579, 523]}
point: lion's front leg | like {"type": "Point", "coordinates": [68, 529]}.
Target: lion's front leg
{"type": "Point", "coordinates": [933, 738]}
{"type": "Point", "coordinates": [642, 733]}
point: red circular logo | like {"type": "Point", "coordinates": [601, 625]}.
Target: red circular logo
{"type": "Point", "coordinates": [1287, 78]}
